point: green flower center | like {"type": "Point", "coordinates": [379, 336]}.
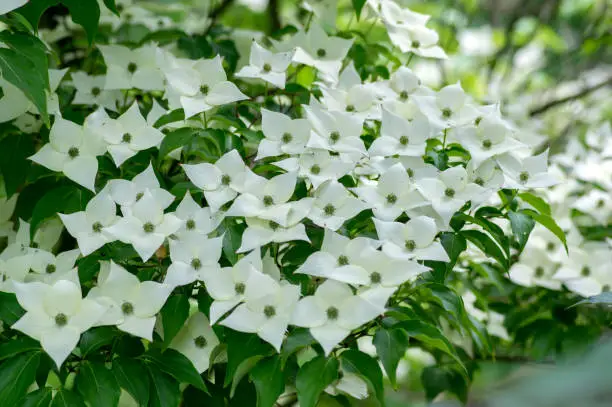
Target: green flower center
{"type": "Point", "coordinates": [268, 200]}
{"type": "Point", "coordinates": [50, 269]}
{"type": "Point", "coordinates": [226, 179]}
{"type": "Point", "coordinates": [334, 136]}
{"type": "Point", "coordinates": [239, 288]}
{"type": "Point", "coordinates": [321, 53]}
{"type": "Point", "coordinates": [315, 169]}
{"type": "Point", "coordinates": [550, 246]}
{"type": "Point", "coordinates": [479, 181]}
{"type": "Point", "coordinates": [486, 144]}
{"type": "Point", "coordinates": [524, 176]}
{"type": "Point", "coordinates": [95, 91]}
{"type": "Point", "coordinates": [286, 138]}
{"type": "Point", "coordinates": [404, 140]}
{"type": "Point", "coordinates": [329, 209]}
{"type": "Point", "coordinates": [375, 278]}
{"type": "Point", "coordinates": [73, 152]}
{"type": "Point", "coordinates": [269, 311]}
{"type": "Point", "coordinates": [204, 89]}
{"type": "Point", "coordinates": [449, 192]}
{"type": "Point", "coordinates": [416, 44]}
{"type": "Point", "coordinates": [601, 203]}
{"type": "Point", "coordinates": [446, 113]}
{"type": "Point", "coordinates": [267, 68]}
{"type": "Point", "coordinates": [403, 95]}
{"type": "Point", "coordinates": [190, 224]}
{"type": "Point", "coordinates": [196, 263]}
{"type": "Point", "coordinates": [585, 272]}
{"type": "Point", "coordinates": [148, 227]}
{"type": "Point", "coordinates": [410, 172]}
{"type": "Point", "coordinates": [350, 108]}
{"type": "Point", "coordinates": [126, 138]}
{"type": "Point", "coordinates": [200, 342]}
{"type": "Point", "coordinates": [273, 225]}
{"type": "Point", "coordinates": [61, 320]}
{"type": "Point", "coordinates": [410, 245]}
{"type": "Point", "coordinates": [539, 271]}
{"type": "Point", "coordinates": [139, 196]}
{"type": "Point", "coordinates": [343, 260]}
{"type": "Point", "coordinates": [132, 67]}
{"type": "Point", "coordinates": [97, 227]}
{"type": "Point", "coordinates": [332, 313]}
{"type": "Point", "coordinates": [391, 199]}
{"type": "Point", "coordinates": [127, 308]}
{"type": "Point", "coordinates": [478, 120]}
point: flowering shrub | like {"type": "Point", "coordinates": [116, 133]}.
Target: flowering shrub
{"type": "Point", "coordinates": [197, 214]}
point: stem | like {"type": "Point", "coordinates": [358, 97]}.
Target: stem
{"type": "Point", "coordinates": [585, 91]}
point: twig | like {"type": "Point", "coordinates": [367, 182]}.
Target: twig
{"type": "Point", "coordinates": [584, 92]}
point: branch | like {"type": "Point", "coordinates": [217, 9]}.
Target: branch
{"type": "Point", "coordinates": [546, 106]}
{"type": "Point", "coordinates": [275, 23]}
{"type": "Point", "coordinates": [220, 9]}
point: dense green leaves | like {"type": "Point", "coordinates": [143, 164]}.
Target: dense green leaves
{"type": "Point", "coordinates": [486, 245]}
{"type": "Point", "coordinates": [97, 385]}
{"type": "Point", "coordinates": [95, 338]}
{"type": "Point", "coordinates": [18, 346]}
{"type": "Point", "coordinates": [14, 165]}
{"type": "Point", "coordinates": [165, 391]}
{"type": "Point", "coordinates": [10, 310]}
{"type": "Point", "coordinates": [269, 381]}
{"type": "Point", "coordinates": [176, 365]}
{"type": "Point", "coordinates": [67, 398]}
{"type": "Point", "coordinates": [313, 377]}
{"type": "Point", "coordinates": [391, 345]}
{"type": "Point", "coordinates": [16, 375]}
{"type": "Point", "coordinates": [38, 398]}
{"type": "Point", "coordinates": [243, 350]}
{"type": "Point", "coordinates": [66, 199]}
{"type": "Point", "coordinates": [358, 6]}
{"type": "Point", "coordinates": [133, 376]}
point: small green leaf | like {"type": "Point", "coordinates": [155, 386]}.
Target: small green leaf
{"type": "Point", "coordinates": [486, 245]}
{"type": "Point", "coordinates": [22, 73]}
{"type": "Point", "coordinates": [538, 203]}
{"type": "Point", "coordinates": [240, 347]}
{"type": "Point", "coordinates": [97, 385]}
{"type": "Point", "coordinates": [132, 376]}
{"type": "Point", "coordinates": [175, 139]}
{"type": "Point", "coordinates": [95, 338]}
{"type": "Point", "coordinates": [31, 48]}
{"type": "Point", "coordinates": [174, 314]}
{"type": "Point", "coordinates": [38, 398]}
{"type": "Point", "coordinates": [67, 398]}
{"type": "Point", "coordinates": [112, 6]}
{"type": "Point", "coordinates": [165, 391]}
{"type": "Point", "coordinates": [269, 381]}
{"type": "Point", "coordinates": [18, 346]}
{"type": "Point", "coordinates": [521, 225]}
{"type": "Point", "coordinates": [437, 379]}
{"type": "Point", "coordinates": [232, 238]}
{"type": "Point", "coordinates": [313, 377]}
{"type": "Point", "coordinates": [176, 365]}
{"type": "Point", "coordinates": [66, 199]}
{"type": "Point", "coordinates": [367, 368]}
{"type": "Point", "coordinates": [391, 345]}
{"type": "Point", "coordinates": [549, 223]}
{"type": "Point", "coordinates": [10, 310]}
{"type": "Point", "coordinates": [33, 10]}
{"type": "Point", "coordinates": [298, 339]}
{"type": "Point", "coordinates": [86, 13]}
{"type": "Point", "coordinates": [16, 376]}
{"type": "Point", "coordinates": [358, 6]}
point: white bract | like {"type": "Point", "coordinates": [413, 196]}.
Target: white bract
{"type": "Point", "coordinates": [266, 65]}
{"type": "Point", "coordinates": [283, 135]}
{"type": "Point", "coordinates": [193, 257]}
{"type": "Point", "coordinates": [127, 69]}
{"type": "Point", "coordinates": [414, 239]}
{"type": "Point", "coordinates": [196, 340]}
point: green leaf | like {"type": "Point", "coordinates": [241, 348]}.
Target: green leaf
{"type": "Point", "coordinates": [110, 4]}
{"type": "Point", "coordinates": [486, 245]}
{"type": "Point", "coordinates": [10, 310]}
{"type": "Point", "coordinates": [165, 391]}
{"type": "Point", "coordinates": [67, 398]}
{"type": "Point", "coordinates": [313, 377]}
{"type": "Point", "coordinates": [240, 348]}
{"type": "Point", "coordinates": [176, 365]}
{"type": "Point", "coordinates": [549, 223]}
{"type": "Point", "coordinates": [31, 48]}
{"type": "Point", "coordinates": [603, 298]}
{"type": "Point", "coordinates": [175, 139]}
{"type": "Point", "coordinates": [16, 375]}
{"type": "Point", "coordinates": [358, 6]}
{"type": "Point", "coordinates": [232, 238]}
{"type": "Point", "coordinates": [269, 381]}
{"type": "Point", "coordinates": [22, 73]}
{"type": "Point", "coordinates": [66, 199]}
{"type": "Point", "coordinates": [86, 13]}
{"type": "Point", "coordinates": [174, 314]}
{"type": "Point", "coordinates": [97, 385]}
{"type": "Point", "coordinates": [538, 203]}
{"type": "Point", "coordinates": [521, 225]}
{"type": "Point", "coordinates": [132, 376]}
{"type": "Point", "coordinates": [38, 398]}
{"type": "Point", "coordinates": [391, 345]}
{"type": "Point", "coordinates": [18, 346]}
{"type": "Point", "coordinates": [437, 379]}
{"type": "Point", "coordinates": [367, 368]}
{"type": "Point", "coordinates": [14, 165]}
{"type": "Point", "coordinates": [431, 336]}
{"type": "Point", "coordinates": [243, 369]}
{"type": "Point", "coordinates": [298, 339]}
{"type": "Point", "coordinates": [95, 338]}
{"type": "Point", "coordinates": [33, 10]}
{"type": "Point", "coordinates": [175, 115]}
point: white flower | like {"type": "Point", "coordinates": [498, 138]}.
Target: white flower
{"type": "Point", "coordinates": [530, 172]}
{"type": "Point", "coordinates": [341, 259]}
{"type": "Point", "coordinates": [71, 150]}
{"type": "Point", "coordinates": [56, 315]}
{"type": "Point", "coordinates": [414, 239]}
{"type": "Point", "coordinates": [10, 5]}
{"type": "Point", "coordinates": [449, 191]}
{"type": "Point", "coordinates": [261, 232]}
{"type": "Point", "coordinates": [55, 78]}
{"type": "Point", "coordinates": [127, 69]}
{"type": "Point", "coordinates": [127, 193]}
{"type": "Point", "coordinates": [332, 313]}
{"type": "Point", "coordinates": [338, 132]}
{"type": "Point", "coordinates": [193, 256]}
{"type": "Point", "coordinates": [283, 135]}
{"type": "Point", "coordinates": [587, 271]}
{"type": "Point", "coordinates": [13, 269]}
{"type": "Point", "coordinates": [198, 86]}
{"type": "Point", "coordinates": [196, 340]}
{"type": "Point", "coordinates": [392, 195]}
{"type": "Point", "coordinates": [89, 226]}
{"type": "Point", "coordinates": [229, 285]}
{"type": "Point", "coordinates": [488, 175]}
{"type": "Point", "coordinates": [334, 205]}
{"type": "Point", "coordinates": [49, 268]}
{"type": "Point", "coordinates": [267, 65]}
{"type": "Point", "coordinates": [321, 51]}
{"type": "Point", "coordinates": [90, 91]}
{"type": "Point", "coordinates": [146, 227]}
{"type": "Point", "coordinates": [318, 166]}
{"type": "Point", "coordinates": [535, 269]}
{"type": "Point", "coordinates": [348, 383]}
{"type": "Point", "coordinates": [399, 136]}
{"type": "Point", "coordinates": [132, 304]}
{"type": "Point", "coordinates": [196, 219]}
{"type": "Point", "coordinates": [596, 203]}
{"type": "Point", "coordinates": [266, 200]}
{"type": "Point", "coordinates": [128, 134]}
{"type": "Point", "coordinates": [267, 316]}
{"type": "Point", "coordinates": [449, 107]}
{"type": "Point", "coordinates": [351, 96]}
{"type": "Point", "coordinates": [223, 180]}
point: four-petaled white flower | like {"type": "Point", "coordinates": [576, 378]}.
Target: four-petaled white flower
{"type": "Point", "coordinates": [193, 256]}
{"type": "Point", "coordinates": [127, 69]}
{"type": "Point", "coordinates": [127, 193]}
{"type": "Point", "coordinates": [399, 136]}
{"type": "Point", "coordinates": [283, 135]}
{"type": "Point", "coordinates": [334, 205]}
{"type": "Point", "coordinates": [414, 239]}
{"type": "Point", "coordinates": [196, 340]}
{"type": "Point", "coordinates": [56, 315]}
{"type": "Point", "coordinates": [266, 65]}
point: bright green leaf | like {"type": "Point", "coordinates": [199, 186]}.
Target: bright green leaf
{"type": "Point", "coordinates": [10, 310]}
{"type": "Point", "coordinates": [391, 345]}
{"type": "Point", "coordinates": [38, 398]}
{"type": "Point", "coordinates": [86, 13]}
{"type": "Point", "coordinates": [18, 346]}
{"type": "Point", "coordinates": [521, 225]}
{"type": "Point", "coordinates": [16, 375]}
{"type": "Point", "coordinates": [66, 199]}
{"type": "Point", "coordinates": [549, 223]}
{"type": "Point", "coordinates": [67, 398]}
{"type": "Point", "coordinates": [176, 365]}
{"type": "Point", "coordinates": [95, 338]}
{"type": "Point", "coordinates": [132, 376]}
{"type": "Point", "coordinates": [486, 245]}
{"type": "Point", "coordinates": [538, 203]}
{"type": "Point", "coordinates": [97, 385]}
{"type": "Point", "coordinates": [174, 314]}
{"type": "Point", "coordinates": [269, 381]}
{"type": "Point", "coordinates": [313, 377]}
{"type": "Point", "coordinates": [165, 391]}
